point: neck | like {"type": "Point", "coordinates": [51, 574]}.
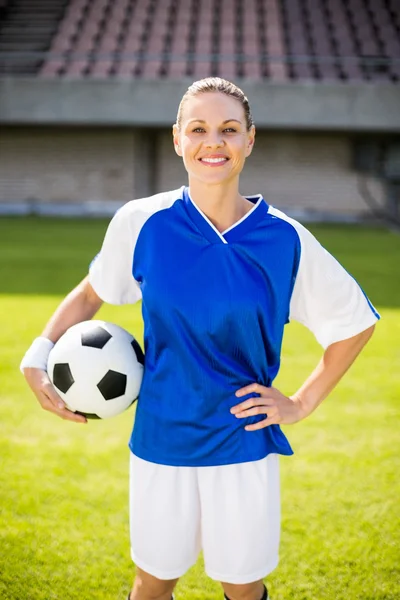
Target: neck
{"type": "Point", "coordinates": [222, 205]}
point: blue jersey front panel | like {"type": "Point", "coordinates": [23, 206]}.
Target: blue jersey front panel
{"type": "Point", "coordinates": [214, 315]}
{"type": "Point", "coordinates": [214, 309]}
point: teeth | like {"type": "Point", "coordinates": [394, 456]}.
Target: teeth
{"type": "Point", "coordinates": [213, 160]}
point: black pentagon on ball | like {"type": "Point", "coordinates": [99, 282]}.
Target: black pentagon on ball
{"type": "Point", "coordinates": [138, 351]}
{"type": "Point", "coordinates": [112, 385]}
{"type": "Point", "coordinates": [96, 337]}
{"type": "Point", "coordinates": [62, 377]}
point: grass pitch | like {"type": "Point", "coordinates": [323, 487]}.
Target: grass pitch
{"type": "Point", "coordinates": [63, 502]}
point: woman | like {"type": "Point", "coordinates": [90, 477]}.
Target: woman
{"type": "Point", "coordinates": [220, 275]}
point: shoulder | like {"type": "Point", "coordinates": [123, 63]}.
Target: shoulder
{"type": "Point", "coordinates": [132, 216]}
{"type": "Point", "coordinates": [284, 218]}
{"type": "Point", "coordinates": [142, 208]}
{"type": "Point", "coordinates": [128, 221]}
{"type": "Point", "coordinates": [305, 237]}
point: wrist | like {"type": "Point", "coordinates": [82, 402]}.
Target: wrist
{"type": "Point", "coordinates": [37, 355]}
{"type": "Point", "coordinates": [302, 406]}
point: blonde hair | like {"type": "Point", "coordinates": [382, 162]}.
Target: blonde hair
{"type": "Point", "coordinates": [216, 84]}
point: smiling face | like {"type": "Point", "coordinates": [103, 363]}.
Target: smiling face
{"type": "Point", "coordinates": [212, 137]}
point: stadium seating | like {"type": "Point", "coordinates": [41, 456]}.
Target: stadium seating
{"type": "Point", "coordinates": [26, 30]}
{"type": "Point", "coordinates": [279, 40]}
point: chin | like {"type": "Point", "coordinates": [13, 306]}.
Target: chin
{"type": "Point", "coordinates": [213, 178]}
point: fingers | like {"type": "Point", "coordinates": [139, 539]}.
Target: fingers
{"type": "Point", "coordinates": [278, 408]}
{"type": "Point", "coordinates": [49, 400]}
{"type": "Point", "coordinates": [250, 403]}
{"type": "Point", "coordinates": [269, 411]}
{"type": "Point", "coordinates": [252, 388]}
{"type": "Point", "coordinates": [261, 424]}
{"type": "Point", "coordinates": [59, 409]}
{"type": "Point", "coordinates": [51, 395]}
{"type": "Point", "coordinates": [264, 404]}
{"type": "Point", "coordinates": [256, 410]}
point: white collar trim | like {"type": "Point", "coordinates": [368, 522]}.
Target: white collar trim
{"type": "Point", "coordinates": [221, 235]}
{"type": "Point", "coordinates": [246, 215]}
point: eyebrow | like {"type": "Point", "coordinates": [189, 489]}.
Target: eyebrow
{"type": "Point", "coordinates": [226, 121]}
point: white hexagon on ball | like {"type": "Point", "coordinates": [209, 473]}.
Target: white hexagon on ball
{"type": "Point", "coordinates": [96, 368]}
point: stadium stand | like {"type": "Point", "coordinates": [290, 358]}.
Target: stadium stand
{"type": "Point", "coordinates": [89, 90]}
{"type": "Point", "coordinates": [28, 27]}
{"type": "Point", "coordinates": [277, 40]}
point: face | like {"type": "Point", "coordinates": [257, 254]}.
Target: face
{"type": "Point", "coordinates": [213, 139]}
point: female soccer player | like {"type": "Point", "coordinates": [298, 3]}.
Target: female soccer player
{"type": "Point", "coordinates": [219, 275]}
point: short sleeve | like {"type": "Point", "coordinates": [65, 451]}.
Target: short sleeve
{"type": "Point", "coordinates": [110, 273]}
{"type": "Point", "coordinates": [326, 298]}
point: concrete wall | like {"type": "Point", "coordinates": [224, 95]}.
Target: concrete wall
{"type": "Point", "coordinates": [85, 140]}
{"type": "Point", "coordinates": [66, 165]}
{"type": "Point", "coordinates": [292, 170]}
{"type": "Point", "coordinates": [303, 105]}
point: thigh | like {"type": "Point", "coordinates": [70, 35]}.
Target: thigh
{"type": "Point", "coordinates": [240, 506]}
{"type": "Point", "coordinates": [164, 513]}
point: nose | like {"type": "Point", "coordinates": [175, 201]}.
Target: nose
{"type": "Point", "coordinates": [214, 140]}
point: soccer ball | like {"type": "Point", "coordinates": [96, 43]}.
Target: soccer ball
{"type": "Point", "coordinates": [97, 369]}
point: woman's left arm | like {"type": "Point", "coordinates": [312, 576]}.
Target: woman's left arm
{"type": "Point", "coordinates": [283, 410]}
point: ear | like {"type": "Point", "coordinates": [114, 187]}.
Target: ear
{"type": "Point", "coordinates": [251, 138]}
{"type": "Point", "coordinates": [175, 137]}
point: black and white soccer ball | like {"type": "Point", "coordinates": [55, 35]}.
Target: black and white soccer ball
{"type": "Point", "coordinates": [96, 368]}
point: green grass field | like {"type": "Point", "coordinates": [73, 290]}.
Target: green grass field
{"type": "Point", "coordinates": [63, 502]}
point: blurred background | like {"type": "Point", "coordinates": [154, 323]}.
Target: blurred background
{"type": "Point", "coordinates": [89, 90]}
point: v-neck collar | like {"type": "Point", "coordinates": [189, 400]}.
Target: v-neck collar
{"type": "Point", "coordinates": [235, 231]}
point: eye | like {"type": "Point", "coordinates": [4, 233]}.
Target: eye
{"type": "Point", "coordinates": [198, 130]}
{"type": "Point", "coordinates": [230, 130]}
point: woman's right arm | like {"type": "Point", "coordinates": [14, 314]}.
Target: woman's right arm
{"type": "Point", "coordinates": [81, 304]}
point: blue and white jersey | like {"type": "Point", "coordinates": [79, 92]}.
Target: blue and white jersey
{"type": "Point", "coordinates": [214, 308]}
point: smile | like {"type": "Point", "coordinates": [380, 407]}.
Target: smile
{"type": "Point", "coordinates": [214, 161]}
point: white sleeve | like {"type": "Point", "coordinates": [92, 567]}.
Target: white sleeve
{"type": "Point", "coordinates": [326, 298]}
{"type": "Point", "coordinates": [110, 273]}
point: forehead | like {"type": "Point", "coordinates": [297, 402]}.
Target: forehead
{"type": "Point", "coordinates": [210, 106]}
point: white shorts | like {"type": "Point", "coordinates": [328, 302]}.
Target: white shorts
{"type": "Point", "coordinates": [231, 512]}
